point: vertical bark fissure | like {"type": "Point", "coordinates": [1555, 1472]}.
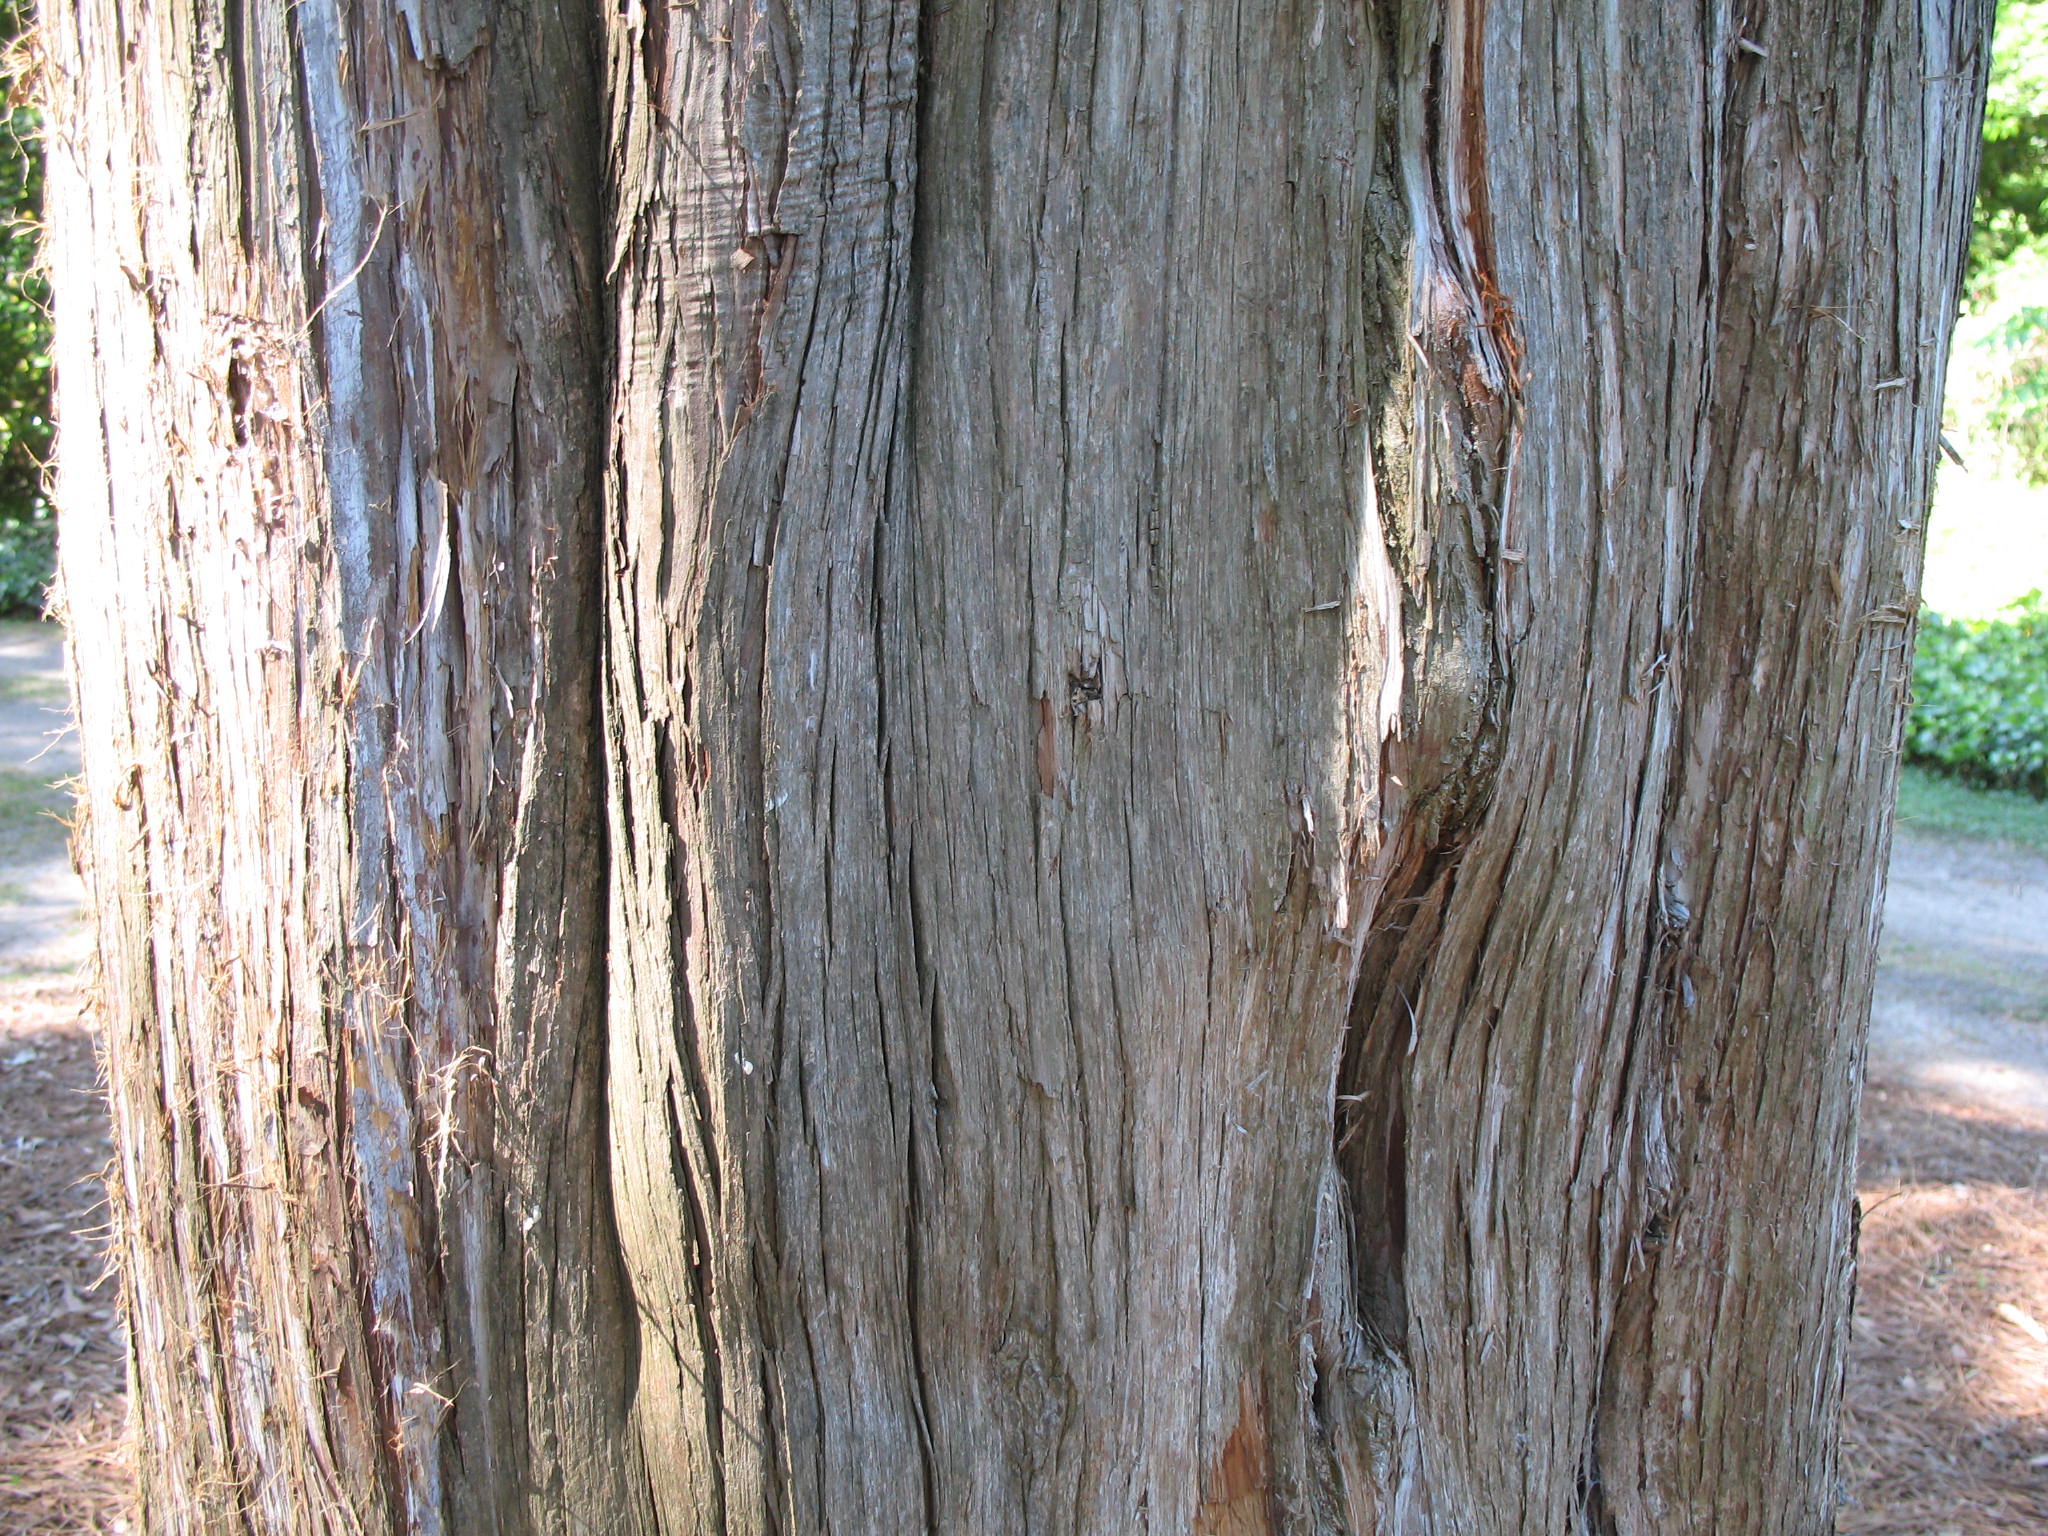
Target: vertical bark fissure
{"type": "Point", "coordinates": [1459, 374]}
{"type": "Point", "coordinates": [914, 1079]}
{"type": "Point", "coordinates": [762, 163]}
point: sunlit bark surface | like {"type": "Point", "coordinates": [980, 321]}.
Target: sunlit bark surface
{"type": "Point", "coordinates": [331, 403]}
{"type": "Point", "coordinates": [1014, 767]}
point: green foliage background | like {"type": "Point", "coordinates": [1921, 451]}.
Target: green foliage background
{"type": "Point", "coordinates": [2012, 189]}
{"type": "Point", "coordinates": [1980, 686]}
{"type": "Point", "coordinates": [2004, 335]}
{"type": "Point", "coordinates": [27, 528]}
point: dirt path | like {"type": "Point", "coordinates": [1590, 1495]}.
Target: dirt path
{"type": "Point", "coordinates": [61, 1401]}
{"type": "Point", "coordinates": [1962, 991]}
{"type": "Point", "coordinates": [41, 899]}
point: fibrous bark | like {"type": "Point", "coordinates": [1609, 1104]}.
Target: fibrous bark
{"type": "Point", "coordinates": [1251, 669]}
{"type": "Point", "coordinates": [331, 402]}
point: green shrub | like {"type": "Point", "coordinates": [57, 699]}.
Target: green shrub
{"type": "Point", "coordinates": [1980, 697]}
{"type": "Point", "coordinates": [28, 560]}
{"type": "Point", "coordinates": [1944, 805]}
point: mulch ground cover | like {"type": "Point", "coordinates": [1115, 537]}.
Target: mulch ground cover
{"type": "Point", "coordinates": [1945, 1432]}
{"type": "Point", "coordinates": [62, 1463]}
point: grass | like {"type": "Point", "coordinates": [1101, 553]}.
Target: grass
{"type": "Point", "coordinates": [51, 692]}
{"type": "Point", "coordinates": [32, 815]}
{"type": "Point", "coordinates": [1931, 802]}
{"type": "Point", "coordinates": [1965, 977]}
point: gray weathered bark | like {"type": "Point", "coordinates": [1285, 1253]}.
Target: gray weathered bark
{"type": "Point", "coordinates": [331, 394]}
{"type": "Point", "coordinates": [1250, 678]}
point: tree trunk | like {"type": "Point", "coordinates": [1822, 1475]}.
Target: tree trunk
{"type": "Point", "coordinates": [1250, 679]}
{"type": "Point", "coordinates": [332, 390]}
